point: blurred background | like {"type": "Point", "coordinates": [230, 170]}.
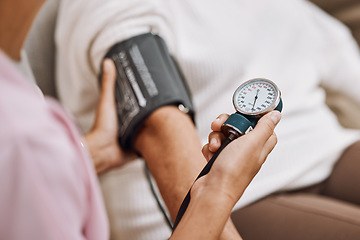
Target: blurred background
{"type": "Point", "coordinates": [347, 11]}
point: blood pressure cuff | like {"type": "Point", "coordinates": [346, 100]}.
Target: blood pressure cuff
{"type": "Point", "coordinates": [147, 79]}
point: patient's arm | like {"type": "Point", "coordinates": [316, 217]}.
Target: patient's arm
{"type": "Point", "coordinates": [172, 149]}
{"type": "Point", "coordinates": [169, 144]}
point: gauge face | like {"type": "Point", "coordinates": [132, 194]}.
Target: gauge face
{"type": "Point", "coordinates": [256, 97]}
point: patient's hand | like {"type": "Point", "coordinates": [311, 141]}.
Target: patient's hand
{"type": "Point", "coordinates": [240, 161]}
{"type": "Point", "coordinates": [101, 141]}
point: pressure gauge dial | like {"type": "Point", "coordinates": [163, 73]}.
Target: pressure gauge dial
{"type": "Point", "coordinates": [253, 99]}
{"type": "Point", "coordinates": [256, 97]}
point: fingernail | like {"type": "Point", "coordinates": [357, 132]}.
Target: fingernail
{"type": "Point", "coordinates": [106, 64]}
{"type": "Point", "coordinates": [213, 142]}
{"type": "Point", "coordinates": [275, 116]}
{"type": "Point", "coordinates": [217, 119]}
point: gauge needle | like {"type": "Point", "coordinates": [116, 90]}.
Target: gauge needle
{"type": "Point", "coordinates": [256, 97]}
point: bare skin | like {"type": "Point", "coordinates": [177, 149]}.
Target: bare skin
{"type": "Point", "coordinates": [101, 141]}
{"type": "Point", "coordinates": [228, 178]}
{"type": "Point", "coordinates": [175, 160]}
{"type": "Point", "coordinates": [13, 28]}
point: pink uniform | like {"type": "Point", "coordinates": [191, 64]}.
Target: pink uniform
{"type": "Point", "coordinates": [48, 188]}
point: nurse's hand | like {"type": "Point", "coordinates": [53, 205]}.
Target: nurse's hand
{"type": "Point", "coordinates": [214, 195]}
{"type": "Point", "coordinates": [101, 141]}
{"type": "Point", "coordinates": [241, 160]}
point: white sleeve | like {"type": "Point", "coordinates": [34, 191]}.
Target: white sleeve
{"type": "Point", "coordinates": [85, 31]}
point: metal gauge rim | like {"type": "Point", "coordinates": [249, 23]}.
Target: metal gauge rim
{"type": "Point", "coordinates": [271, 107]}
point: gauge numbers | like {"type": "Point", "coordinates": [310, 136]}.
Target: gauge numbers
{"type": "Point", "coordinates": [256, 96]}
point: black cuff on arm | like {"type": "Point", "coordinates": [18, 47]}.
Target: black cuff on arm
{"type": "Point", "coordinates": [147, 79]}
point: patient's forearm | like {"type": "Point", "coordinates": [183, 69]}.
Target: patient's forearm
{"type": "Point", "coordinates": [172, 149]}
{"type": "Point", "coordinates": [170, 145]}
